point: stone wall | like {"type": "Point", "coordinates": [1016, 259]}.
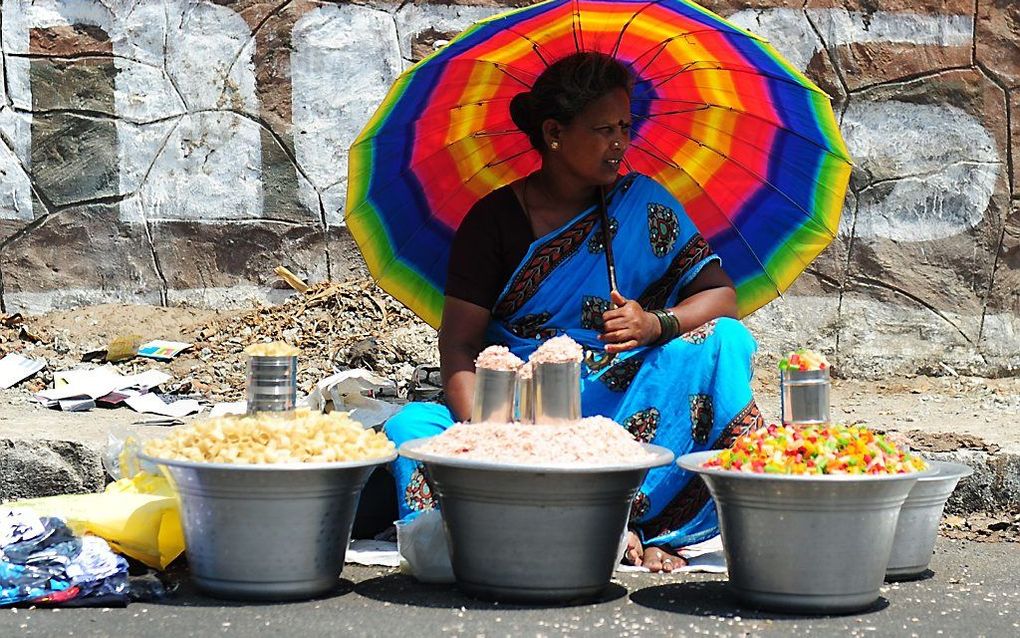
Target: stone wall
{"type": "Point", "coordinates": [173, 151]}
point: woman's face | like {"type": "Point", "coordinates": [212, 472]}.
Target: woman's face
{"type": "Point", "coordinates": [593, 144]}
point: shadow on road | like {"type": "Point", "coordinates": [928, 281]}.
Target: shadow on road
{"type": "Point", "coordinates": [400, 589]}
{"type": "Point", "coordinates": [190, 596]}
{"type": "Point", "coordinates": [713, 598]}
{"type": "Point", "coordinates": [925, 575]}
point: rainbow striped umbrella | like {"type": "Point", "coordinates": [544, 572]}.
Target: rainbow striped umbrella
{"type": "Point", "coordinates": [746, 142]}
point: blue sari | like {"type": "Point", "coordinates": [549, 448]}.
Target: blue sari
{"type": "Point", "coordinates": [690, 394]}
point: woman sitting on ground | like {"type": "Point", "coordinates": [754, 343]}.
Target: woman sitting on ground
{"type": "Point", "coordinates": [528, 263]}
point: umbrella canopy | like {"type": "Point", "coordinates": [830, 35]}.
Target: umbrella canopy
{"type": "Point", "coordinates": [745, 141]}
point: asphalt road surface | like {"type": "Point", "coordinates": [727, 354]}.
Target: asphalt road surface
{"type": "Point", "coordinates": [974, 590]}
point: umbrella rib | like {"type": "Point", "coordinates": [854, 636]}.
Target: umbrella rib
{"type": "Point", "coordinates": [414, 128]}
{"type": "Point", "coordinates": [398, 249]}
{"type": "Point", "coordinates": [439, 205]}
{"type": "Point", "coordinates": [504, 69]}
{"type": "Point", "coordinates": [630, 21]}
{"type": "Point", "coordinates": [749, 114]}
{"type": "Point", "coordinates": [500, 177]}
{"type": "Point", "coordinates": [754, 146]}
{"type": "Point", "coordinates": [662, 45]}
{"type": "Point", "coordinates": [761, 179]}
{"type": "Point", "coordinates": [493, 133]}
{"type": "Point", "coordinates": [667, 160]}
{"type": "Point", "coordinates": [747, 69]}
{"type": "Point", "coordinates": [535, 46]}
{"type": "Point", "coordinates": [446, 146]}
{"type": "Point", "coordinates": [449, 196]}
{"type": "Point", "coordinates": [659, 48]}
{"type": "Point", "coordinates": [367, 202]}
{"type": "Point", "coordinates": [575, 25]}
{"type": "Point", "coordinates": [683, 69]}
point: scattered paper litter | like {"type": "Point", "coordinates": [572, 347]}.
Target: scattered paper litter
{"type": "Point", "coordinates": [152, 404]}
{"type": "Point", "coordinates": [163, 350]}
{"type": "Point", "coordinates": [117, 397]}
{"type": "Point", "coordinates": [145, 380]}
{"type": "Point", "coordinates": [76, 405]}
{"type": "Point", "coordinates": [372, 552]}
{"type": "Point", "coordinates": [15, 368]}
{"type": "Point", "coordinates": [160, 421]}
{"type": "Point", "coordinates": [233, 407]}
{"type": "Point", "coordinates": [97, 383]}
{"type": "Point", "coordinates": [80, 384]}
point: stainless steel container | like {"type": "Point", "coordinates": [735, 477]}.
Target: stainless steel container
{"type": "Point", "coordinates": [804, 396]}
{"type": "Point", "coordinates": [557, 392]}
{"type": "Point", "coordinates": [919, 519]}
{"type": "Point", "coordinates": [815, 544]}
{"type": "Point", "coordinates": [271, 384]}
{"type": "Point", "coordinates": [267, 532]}
{"type": "Point", "coordinates": [494, 396]}
{"type": "Point", "coordinates": [533, 533]}
{"type": "Point", "coordinates": [525, 399]}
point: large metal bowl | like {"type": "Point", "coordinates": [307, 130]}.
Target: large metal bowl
{"type": "Point", "coordinates": [816, 544]}
{"type": "Point", "coordinates": [267, 532]}
{"type": "Point", "coordinates": [918, 524]}
{"type": "Point", "coordinates": [533, 533]}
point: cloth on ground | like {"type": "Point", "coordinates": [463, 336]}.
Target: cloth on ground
{"type": "Point", "coordinates": [42, 560]}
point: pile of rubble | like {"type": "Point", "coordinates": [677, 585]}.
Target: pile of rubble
{"type": "Point", "coordinates": [337, 326]}
{"type": "Point", "coordinates": [982, 527]}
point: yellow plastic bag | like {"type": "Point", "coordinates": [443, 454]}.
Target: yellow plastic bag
{"type": "Point", "coordinates": [138, 516]}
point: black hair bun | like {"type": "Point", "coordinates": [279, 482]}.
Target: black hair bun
{"type": "Point", "coordinates": [522, 112]}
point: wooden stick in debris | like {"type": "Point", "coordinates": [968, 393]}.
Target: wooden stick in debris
{"type": "Point", "coordinates": [292, 280]}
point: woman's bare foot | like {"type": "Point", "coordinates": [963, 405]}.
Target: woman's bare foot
{"type": "Point", "coordinates": [656, 559]}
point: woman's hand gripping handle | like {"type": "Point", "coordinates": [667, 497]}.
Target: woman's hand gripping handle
{"type": "Point", "coordinates": [628, 325]}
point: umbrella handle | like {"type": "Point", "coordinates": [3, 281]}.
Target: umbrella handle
{"type": "Point", "coordinates": [607, 239]}
{"type": "Point", "coordinates": [591, 359]}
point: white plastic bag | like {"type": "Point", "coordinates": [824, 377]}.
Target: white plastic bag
{"type": "Point", "coordinates": [424, 550]}
{"type": "Point", "coordinates": [354, 391]}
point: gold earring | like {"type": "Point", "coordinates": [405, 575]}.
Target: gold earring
{"type": "Point", "coordinates": [554, 146]}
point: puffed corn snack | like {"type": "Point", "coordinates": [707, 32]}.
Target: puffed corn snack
{"type": "Point", "coordinates": [273, 349]}
{"type": "Point", "coordinates": [262, 438]}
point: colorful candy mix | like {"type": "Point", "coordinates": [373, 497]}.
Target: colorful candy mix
{"type": "Point", "coordinates": [815, 449]}
{"type": "Point", "coordinates": [803, 360]}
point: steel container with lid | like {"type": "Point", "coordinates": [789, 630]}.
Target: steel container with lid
{"type": "Point", "coordinates": [271, 384]}
{"type": "Point", "coordinates": [804, 396]}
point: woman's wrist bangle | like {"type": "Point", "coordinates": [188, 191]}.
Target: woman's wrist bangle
{"type": "Point", "coordinates": [669, 326]}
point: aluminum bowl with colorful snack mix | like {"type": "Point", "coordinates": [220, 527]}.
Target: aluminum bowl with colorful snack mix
{"type": "Point", "coordinates": [808, 513]}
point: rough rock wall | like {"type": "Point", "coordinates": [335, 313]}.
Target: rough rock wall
{"type": "Point", "coordinates": [174, 151]}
